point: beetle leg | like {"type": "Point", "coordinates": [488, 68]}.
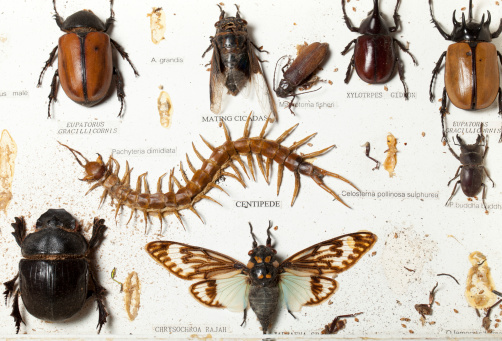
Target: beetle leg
{"type": "Point", "coordinates": [119, 84]}
{"type": "Point", "coordinates": [15, 312]}
{"type": "Point", "coordinates": [349, 70]}
{"type": "Point", "coordinates": [442, 111]}
{"type": "Point", "coordinates": [405, 49]}
{"type": "Point", "coordinates": [47, 64]}
{"type": "Point", "coordinates": [396, 18]}
{"type": "Point", "coordinates": [9, 287]}
{"type": "Point", "coordinates": [124, 55]}
{"type": "Point", "coordinates": [400, 69]}
{"type": "Point", "coordinates": [98, 229]}
{"type": "Point", "coordinates": [484, 194]}
{"type": "Point", "coordinates": [498, 31]}
{"type": "Point", "coordinates": [258, 48]}
{"type": "Point", "coordinates": [98, 292]}
{"type": "Point", "coordinates": [436, 24]}
{"type": "Point", "coordinates": [488, 176]}
{"type": "Point", "coordinates": [57, 17]}
{"type": "Point", "coordinates": [111, 19]}
{"type": "Point", "coordinates": [453, 152]}
{"type": "Point", "coordinates": [453, 192]}
{"type": "Point", "coordinates": [347, 48]}
{"type": "Point", "coordinates": [434, 75]}
{"type": "Point", "coordinates": [291, 104]}
{"type": "Point", "coordinates": [347, 20]}
{"type": "Point", "coordinates": [19, 229]}
{"type": "Point", "coordinates": [456, 174]}
{"type": "Point", "coordinates": [53, 93]}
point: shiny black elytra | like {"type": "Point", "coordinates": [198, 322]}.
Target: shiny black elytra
{"type": "Point", "coordinates": [54, 273]}
{"type": "Point", "coordinates": [471, 170]}
{"type": "Point", "coordinates": [375, 53]}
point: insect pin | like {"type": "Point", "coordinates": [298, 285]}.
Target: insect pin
{"type": "Point", "coordinates": [297, 281]}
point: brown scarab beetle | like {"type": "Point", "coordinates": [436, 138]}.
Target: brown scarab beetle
{"type": "Point", "coordinates": [85, 64]}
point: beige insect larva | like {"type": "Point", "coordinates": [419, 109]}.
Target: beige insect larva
{"type": "Point", "coordinates": [157, 24]}
{"type": "Point", "coordinates": [8, 152]}
{"type": "Point", "coordinates": [132, 292]}
{"type": "Point", "coordinates": [478, 291]}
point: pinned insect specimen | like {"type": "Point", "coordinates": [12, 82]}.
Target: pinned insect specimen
{"type": "Point", "coordinates": [157, 24]}
{"type": "Point", "coordinates": [300, 71]}
{"type": "Point", "coordinates": [8, 152]}
{"type": "Point", "coordinates": [472, 76]}
{"type": "Point", "coordinates": [367, 152]}
{"type": "Point", "coordinates": [391, 160]}
{"type": "Point", "coordinates": [55, 272]}
{"type": "Point", "coordinates": [165, 107]}
{"type": "Point", "coordinates": [472, 157]}
{"type": "Point", "coordinates": [337, 324]}
{"type": "Point", "coordinates": [375, 53]}
{"type": "Point", "coordinates": [227, 283]}
{"type": "Point", "coordinates": [234, 64]}
{"type": "Point", "coordinates": [163, 204]}
{"type": "Point", "coordinates": [426, 309]}
{"type": "Point", "coordinates": [478, 291]}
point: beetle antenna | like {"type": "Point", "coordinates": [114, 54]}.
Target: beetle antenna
{"type": "Point", "coordinates": [275, 71]}
{"type": "Point", "coordinates": [255, 244]}
{"type": "Point", "coordinates": [269, 237]}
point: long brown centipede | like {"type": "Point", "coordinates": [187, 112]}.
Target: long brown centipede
{"type": "Point", "coordinates": [163, 204]}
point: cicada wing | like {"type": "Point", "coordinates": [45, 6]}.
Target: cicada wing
{"type": "Point", "coordinates": [216, 82]}
{"type": "Point", "coordinates": [297, 291]}
{"type": "Point", "coordinates": [231, 293]}
{"type": "Point", "coordinates": [261, 87]}
{"type": "Point", "coordinates": [330, 256]}
{"type": "Point", "coordinates": [193, 262]}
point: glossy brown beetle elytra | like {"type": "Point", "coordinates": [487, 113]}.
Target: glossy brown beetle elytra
{"type": "Point", "coordinates": [471, 171]}
{"type": "Point", "coordinates": [55, 270]}
{"type": "Point", "coordinates": [299, 72]}
{"type": "Point", "coordinates": [472, 77]}
{"type": "Point", "coordinates": [85, 65]}
{"type": "Point", "coordinates": [375, 53]}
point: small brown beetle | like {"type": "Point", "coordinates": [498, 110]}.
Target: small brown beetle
{"type": "Point", "coordinates": [85, 65]}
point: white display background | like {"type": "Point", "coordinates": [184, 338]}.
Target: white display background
{"type": "Point", "coordinates": [46, 174]}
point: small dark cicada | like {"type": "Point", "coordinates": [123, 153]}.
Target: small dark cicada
{"type": "Point", "coordinates": [297, 281]}
{"type": "Point", "coordinates": [234, 64]}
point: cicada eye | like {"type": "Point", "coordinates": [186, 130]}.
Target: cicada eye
{"type": "Point", "coordinates": [250, 252]}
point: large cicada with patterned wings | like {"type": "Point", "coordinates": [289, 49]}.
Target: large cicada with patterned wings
{"type": "Point", "coordinates": [299, 280]}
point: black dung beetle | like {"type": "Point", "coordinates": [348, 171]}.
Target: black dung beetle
{"type": "Point", "coordinates": [375, 52]}
{"type": "Point", "coordinates": [54, 273]}
{"type": "Point", "coordinates": [472, 76]}
{"type": "Point", "coordinates": [471, 171]}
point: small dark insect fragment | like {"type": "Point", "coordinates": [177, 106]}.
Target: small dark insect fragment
{"type": "Point", "coordinates": [368, 146]}
{"type": "Point", "coordinates": [486, 319]}
{"type": "Point", "coordinates": [426, 309]}
{"type": "Point", "coordinates": [337, 324]}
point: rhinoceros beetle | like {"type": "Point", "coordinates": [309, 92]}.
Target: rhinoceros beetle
{"type": "Point", "coordinates": [471, 170]}
{"type": "Point", "coordinates": [54, 273]}
{"type": "Point", "coordinates": [375, 53]}
{"type": "Point", "coordinates": [472, 78]}
{"type": "Point", "coordinates": [85, 64]}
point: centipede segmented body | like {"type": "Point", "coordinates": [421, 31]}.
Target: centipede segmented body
{"type": "Point", "coordinates": [222, 157]}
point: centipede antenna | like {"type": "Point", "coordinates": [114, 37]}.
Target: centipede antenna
{"type": "Point", "coordinates": [191, 208]}
{"type": "Point", "coordinates": [197, 153]}
{"type": "Point", "coordinates": [300, 143]}
{"type": "Point", "coordinates": [190, 165]}
{"type": "Point", "coordinates": [297, 188]}
{"type": "Point", "coordinates": [159, 183]}
{"type": "Point", "coordinates": [213, 185]}
{"type": "Point", "coordinates": [318, 180]}
{"type": "Point", "coordinates": [319, 152]}
{"type": "Point", "coordinates": [259, 160]}
{"type": "Point", "coordinates": [246, 126]}
{"type": "Point", "coordinates": [255, 243]}
{"type": "Point", "coordinates": [75, 152]}
{"type": "Point", "coordinates": [280, 171]}
{"type": "Point", "coordinates": [207, 143]}
{"type": "Point", "coordinates": [241, 163]}
{"type": "Point", "coordinates": [269, 237]}
{"type": "Point", "coordinates": [227, 135]}
{"type": "Point", "coordinates": [286, 134]}
{"type": "Point", "coordinates": [263, 130]}
{"type": "Point", "coordinates": [209, 198]}
{"type": "Point", "coordinates": [250, 165]}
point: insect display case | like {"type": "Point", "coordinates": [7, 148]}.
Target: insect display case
{"type": "Point", "coordinates": [178, 208]}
